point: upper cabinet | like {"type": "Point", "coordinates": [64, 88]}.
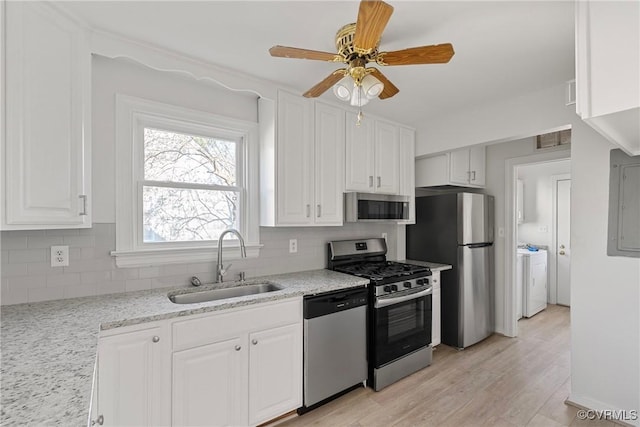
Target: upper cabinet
{"type": "Point", "coordinates": [465, 168]}
{"type": "Point", "coordinates": [607, 70]}
{"type": "Point", "coordinates": [301, 159]}
{"type": "Point", "coordinates": [372, 156]}
{"type": "Point", "coordinates": [46, 144]}
{"type": "Point", "coordinates": [407, 169]}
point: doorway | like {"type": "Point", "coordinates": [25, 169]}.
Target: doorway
{"type": "Point", "coordinates": [533, 223]}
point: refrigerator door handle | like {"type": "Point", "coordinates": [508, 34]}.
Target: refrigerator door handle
{"type": "Point", "coordinates": [479, 245]}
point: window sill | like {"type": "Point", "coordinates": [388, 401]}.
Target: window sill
{"type": "Point", "coordinates": [160, 256]}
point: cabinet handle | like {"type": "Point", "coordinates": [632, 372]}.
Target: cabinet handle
{"type": "Point", "coordinates": [238, 348]}
{"type": "Point", "coordinates": [155, 339]}
{"type": "Point", "coordinates": [84, 204]}
{"type": "Point", "coordinates": [474, 175]}
{"type": "Point", "coordinates": [308, 211]}
{"type": "Point", "coordinates": [254, 341]}
{"type": "Point", "coordinates": [370, 180]}
{"type": "Point", "coordinates": [379, 182]}
{"type": "Point", "coordinates": [318, 211]}
{"type": "Point", "coordinates": [99, 420]}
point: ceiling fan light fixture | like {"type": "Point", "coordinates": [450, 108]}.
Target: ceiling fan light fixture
{"type": "Point", "coordinates": [371, 86]}
{"type": "Point", "coordinates": [342, 89]}
{"type": "Point", "coordinates": [359, 97]}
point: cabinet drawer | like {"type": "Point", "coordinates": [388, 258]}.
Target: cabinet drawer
{"type": "Point", "coordinates": [213, 327]}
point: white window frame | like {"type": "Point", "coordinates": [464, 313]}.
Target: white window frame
{"type": "Point", "coordinates": [132, 116]}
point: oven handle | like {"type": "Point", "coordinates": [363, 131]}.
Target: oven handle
{"type": "Point", "coordinates": [380, 302]}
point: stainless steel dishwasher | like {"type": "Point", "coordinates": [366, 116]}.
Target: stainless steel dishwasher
{"type": "Point", "coordinates": [335, 344]}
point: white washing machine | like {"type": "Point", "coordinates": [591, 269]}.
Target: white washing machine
{"type": "Point", "coordinates": [533, 281]}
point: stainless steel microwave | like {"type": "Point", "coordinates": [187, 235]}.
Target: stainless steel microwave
{"type": "Point", "coordinates": [375, 207]}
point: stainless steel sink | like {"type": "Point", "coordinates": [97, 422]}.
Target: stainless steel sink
{"type": "Point", "coordinates": [223, 293]}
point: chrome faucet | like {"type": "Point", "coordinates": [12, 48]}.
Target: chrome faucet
{"type": "Point", "coordinates": [220, 269]}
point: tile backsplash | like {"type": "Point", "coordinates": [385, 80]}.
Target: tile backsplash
{"type": "Point", "coordinates": [27, 275]}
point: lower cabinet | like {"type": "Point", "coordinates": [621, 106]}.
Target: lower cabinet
{"type": "Point", "coordinates": [134, 378]}
{"type": "Point", "coordinates": [234, 367]}
{"type": "Point", "coordinates": [436, 299]}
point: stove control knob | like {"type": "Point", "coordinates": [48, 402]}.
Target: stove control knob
{"type": "Point", "coordinates": [387, 289]}
{"type": "Point", "coordinates": [407, 284]}
{"type": "Point", "coordinates": [394, 287]}
{"type": "Point", "coordinates": [420, 282]}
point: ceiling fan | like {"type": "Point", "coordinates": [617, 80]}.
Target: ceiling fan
{"type": "Point", "coordinates": [357, 45]}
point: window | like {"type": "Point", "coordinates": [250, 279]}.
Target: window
{"type": "Point", "coordinates": [183, 177]}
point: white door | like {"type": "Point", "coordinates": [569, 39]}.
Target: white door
{"type": "Point", "coordinates": [387, 158]}
{"type": "Point", "coordinates": [563, 243]}
{"type": "Point", "coordinates": [275, 372]}
{"type": "Point", "coordinates": [459, 167]}
{"type": "Point", "coordinates": [209, 385]}
{"type": "Point", "coordinates": [133, 379]}
{"type": "Point", "coordinates": [329, 163]}
{"type": "Point", "coordinates": [359, 155]}
{"type": "Point", "coordinates": [294, 160]}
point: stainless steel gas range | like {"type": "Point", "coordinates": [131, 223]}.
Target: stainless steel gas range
{"type": "Point", "coordinates": [399, 308]}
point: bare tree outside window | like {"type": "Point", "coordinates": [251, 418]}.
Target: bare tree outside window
{"type": "Point", "coordinates": [190, 189]}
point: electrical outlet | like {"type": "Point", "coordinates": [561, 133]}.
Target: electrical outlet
{"type": "Point", "coordinates": [384, 236]}
{"type": "Point", "coordinates": [59, 256]}
{"type": "Point", "coordinates": [293, 246]}
{"type": "Point", "coordinates": [543, 229]}
{"type": "Point", "coordinates": [500, 231]}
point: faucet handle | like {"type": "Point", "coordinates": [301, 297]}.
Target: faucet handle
{"type": "Point", "coordinates": [241, 276]}
{"type": "Point", "coordinates": [224, 269]}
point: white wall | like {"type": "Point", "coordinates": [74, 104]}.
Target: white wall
{"type": "Point", "coordinates": [605, 291]}
{"type": "Point", "coordinates": [538, 200]}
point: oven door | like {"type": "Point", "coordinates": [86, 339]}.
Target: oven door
{"type": "Point", "coordinates": [401, 325]}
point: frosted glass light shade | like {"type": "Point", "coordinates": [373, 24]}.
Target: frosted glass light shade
{"type": "Point", "coordinates": [359, 98]}
{"type": "Point", "coordinates": [342, 89]}
{"type": "Point", "coordinates": [371, 86]}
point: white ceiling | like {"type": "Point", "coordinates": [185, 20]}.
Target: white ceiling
{"type": "Point", "coordinates": [503, 48]}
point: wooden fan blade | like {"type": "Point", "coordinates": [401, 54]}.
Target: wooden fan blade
{"type": "Point", "coordinates": [294, 52]}
{"type": "Point", "coordinates": [325, 84]}
{"type": "Point", "coordinates": [389, 88]}
{"type": "Point", "coordinates": [434, 54]}
{"type": "Point", "coordinates": [372, 19]}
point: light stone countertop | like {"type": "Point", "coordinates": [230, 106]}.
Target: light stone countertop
{"type": "Point", "coordinates": [48, 349]}
{"type": "Point", "coordinates": [434, 266]}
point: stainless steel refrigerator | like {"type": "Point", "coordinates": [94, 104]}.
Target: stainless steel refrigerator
{"type": "Point", "coordinates": [457, 229]}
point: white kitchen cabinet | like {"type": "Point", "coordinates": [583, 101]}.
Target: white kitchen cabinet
{"type": "Point", "coordinates": [436, 300]}
{"type": "Point", "coordinates": [46, 147]}
{"type": "Point", "coordinates": [607, 70]}
{"type": "Point", "coordinates": [467, 167]}
{"type": "Point", "coordinates": [208, 384]}
{"type": "Point", "coordinates": [407, 170]}
{"type": "Point", "coordinates": [462, 168]}
{"type": "Point", "coordinates": [134, 377]}
{"type": "Point", "coordinates": [301, 159]}
{"type": "Point", "coordinates": [372, 156]}
{"type": "Point", "coordinates": [275, 372]}
{"type": "Point", "coordinates": [329, 145]}
{"type": "Point", "coordinates": [238, 367]}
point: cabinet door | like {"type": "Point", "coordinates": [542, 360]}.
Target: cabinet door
{"type": "Point", "coordinates": [477, 160]}
{"type": "Point", "coordinates": [275, 372]}
{"type": "Point", "coordinates": [134, 378]}
{"type": "Point", "coordinates": [359, 173]}
{"type": "Point", "coordinates": [209, 385]}
{"type": "Point", "coordinates": [329, 164]}
{"type": "Point", "coordinates": [407, 170]}
{"type": "Point", "coordinates": [459, 167]}
{"type": "Point", "coordinates": [387, 158]}
{"type": "Point", "coordinates": [294, 163]}
{"type": "Point", "coordinates": [47, 119]}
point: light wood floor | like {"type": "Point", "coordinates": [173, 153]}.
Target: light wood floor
{"type": "Point", "coordinates": [500, 382]}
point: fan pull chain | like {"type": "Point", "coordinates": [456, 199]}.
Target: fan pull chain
{"type": "Point", "coordinates": [359, 118]}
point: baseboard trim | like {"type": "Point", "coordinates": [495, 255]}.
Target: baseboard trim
{"type": "Point", "coordinates": [590, 404]}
